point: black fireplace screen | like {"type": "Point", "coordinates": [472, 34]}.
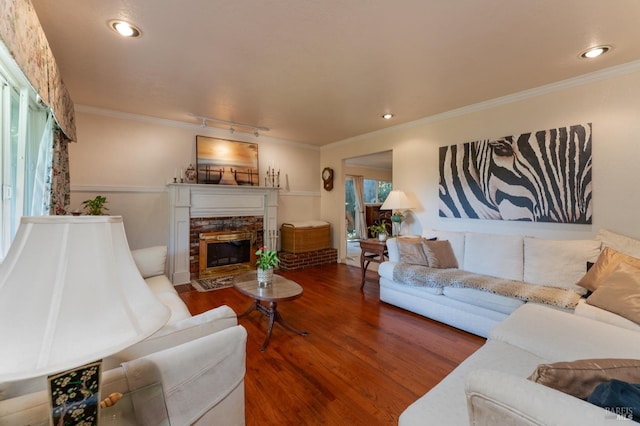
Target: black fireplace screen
{"type": "Point", "coordinates": [228, 253]}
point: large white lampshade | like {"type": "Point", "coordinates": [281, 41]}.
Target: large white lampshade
{"type": "Point", "coordinates": [397, 201]}
{"type": "Point", "coordinates": [70, 293]}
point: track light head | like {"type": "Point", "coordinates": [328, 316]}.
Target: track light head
{"type": "Point", "coordinates": [256, 134]}
{"type": "Point", "coordinates": [204, 123]}
{"type": "Point", "coordinates": [232, 130]}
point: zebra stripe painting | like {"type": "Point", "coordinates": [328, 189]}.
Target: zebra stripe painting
{"type": "Point", "coordinates": [538, 177]}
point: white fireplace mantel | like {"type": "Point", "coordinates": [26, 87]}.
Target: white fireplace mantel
{"type": "Point", "coordinates": [194, 200]}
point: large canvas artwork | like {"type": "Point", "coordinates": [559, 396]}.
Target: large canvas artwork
{"type": "Point", "coordinates": [541, 177]}
{"type": "Point", "coordinates": [225, 162]}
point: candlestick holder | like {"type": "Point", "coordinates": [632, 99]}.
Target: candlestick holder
{"type": "Point", "coordinates": [273, 178]}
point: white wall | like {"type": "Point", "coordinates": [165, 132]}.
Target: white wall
{"type": "Point", "coordinates": [129, 159]}
{"type": "Point", "coordinates": [609, 99]}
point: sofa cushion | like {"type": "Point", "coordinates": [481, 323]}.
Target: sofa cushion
{"type": "Point", "coordinates": [558, 263]}
{"type": "Point", "coordinates": [410, 251]}
{"type": "Point", "coordinates": [455, 238]}
{"type": "Point", "coordinates": [619, 292]}
{"type": "Point", "coordinates": [619, 242]}
{"type": "Point", "coordinates": [607, 262]}
{"type": "Point", "coordinates": [177, 333]}
{"type": "Point", "coordinates": [483, 299]}
{"type": "Point", "coordinates": [579, 378]}
{"type": "Point", "coordinates": [439, 254]}
{"type": "Point", "coordinates": [160, 284]}
{"type": "Point", "coordinates": [586, 310]}
{"type": "Point", "coordinates": [151, 260]}
{"type": "Point", "coordinates": [535, 328]}
{"type": "Point", "coordinates": [495, 255]}
{"type": "Point", "coordinates": [172, 301]}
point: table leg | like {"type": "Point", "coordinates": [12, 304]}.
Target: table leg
{"type": "Point", "coordinates": [288, 326]}
{"type": "Point", "coordinates": [364, 264]}
{"type": "Point", "coordinates": [271, 313]}
{"type": "Point", "coordinates": [250, 309]}
{"type": "Point", "coordinates": [274, 316]}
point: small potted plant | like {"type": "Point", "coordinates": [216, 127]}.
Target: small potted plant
{"type": "Point", "coordinates": [266, 260]}
{"type": "Point", "coordinates": [379, 230]}
{"type": "Point", "coordinates": [96, 206]}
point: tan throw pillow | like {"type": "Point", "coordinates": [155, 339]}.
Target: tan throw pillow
{"type": "Point", "coordinates": [607, 262]}
{"type": "Point", "coordinates": [411, 251]}
{"type": "Point", "coordinates": [439, 254]}
{"type": "Point", "coordinates": [579, 378]}
{"type": "Point", "coordinates": [619, 293]}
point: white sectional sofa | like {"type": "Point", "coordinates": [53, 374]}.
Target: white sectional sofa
{"type": "Point", "coordinates": [597, 341]}
{"type": "Point", "coordinates": [557, 263]}
{"type": "Point", "coordinates": [198, 360]}
{"type": "Point", "coordinates": [491, 387]}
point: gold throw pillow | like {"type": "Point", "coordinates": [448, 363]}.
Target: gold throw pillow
{"type": "Point", "coordinates": [607, 262]}
{"type": "Point", "coordinates": [619, 292]}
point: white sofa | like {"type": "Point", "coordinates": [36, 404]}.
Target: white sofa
{"type": "Point", "coordinates": [491, 387]}
{"type": "Point", "coordinates": [496, 385]}
{"type": "Point", "coordinates": [541, 262]}
{"type": "Point", "coordinates": [198, 360]}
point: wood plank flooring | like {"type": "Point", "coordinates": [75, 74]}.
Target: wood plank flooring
{"type": "Point", "coordinates": [363, 362]}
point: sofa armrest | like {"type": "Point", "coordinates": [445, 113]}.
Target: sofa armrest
{"type": "Point", "coordinates": [177, 333]}
{"type": "Point", "coordinates": [202, 379]}
{"type": "Point", "coordinates": [385, 269]}
{"type": "Point", "coordinates": [494, 397]}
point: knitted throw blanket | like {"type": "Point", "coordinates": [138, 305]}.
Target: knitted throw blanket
{"type": "Point", "coordinates": [422, 276]}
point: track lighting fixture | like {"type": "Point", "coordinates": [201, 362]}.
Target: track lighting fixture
{"type": "Point", "coordinates": [233, 126]}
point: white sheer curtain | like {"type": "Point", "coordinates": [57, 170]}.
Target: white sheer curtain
{"type": "Point", "coordinates": [360, 220]}
{"type": "Point", "coordinates": [39, 176]}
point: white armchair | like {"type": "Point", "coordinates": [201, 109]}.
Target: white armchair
{"type": "Point", "coordinates": [202, 381]}
{"type": "Point", "coordinates": [198, 360]}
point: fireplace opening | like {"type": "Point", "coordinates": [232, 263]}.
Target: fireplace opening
{"type": "Point", "coordinates": [226, 253]}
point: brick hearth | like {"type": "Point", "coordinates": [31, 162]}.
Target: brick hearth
{"type": "Point", "coordinates": [290, 261]}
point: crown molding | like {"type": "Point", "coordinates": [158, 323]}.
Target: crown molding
{"type": "Point", "coordinates": [581, 80]}
{"type": "Point", "coordinates": [197, 127]}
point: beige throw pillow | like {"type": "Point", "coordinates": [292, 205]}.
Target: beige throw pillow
{"type": "Point", "coordinates": [579, 378]}
{"type": "Point", "coordinates": [619, 293]}
{"type": "Point", "coordinates": [439, 254]}
{"type": "Point", "coordinates": [411, 251]}
{"type": "Point", "coordinates": [607, 262]}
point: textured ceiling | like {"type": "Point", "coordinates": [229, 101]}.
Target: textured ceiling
{"type": "Point", "coordinates": [317, 72]}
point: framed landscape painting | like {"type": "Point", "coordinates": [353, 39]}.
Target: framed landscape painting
{"type": "Point", "coordinates": [225, 162]}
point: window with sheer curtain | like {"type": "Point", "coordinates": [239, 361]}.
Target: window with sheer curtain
{"type": "Point", "coordinates": [25, 156]}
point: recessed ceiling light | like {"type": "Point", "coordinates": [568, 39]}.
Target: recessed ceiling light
{"type": "Point", "coordinates": [594, 52]}
{"type": "Point", "coordinates": [387, 116]}
{"type": "Point", "coordinates": [124, 28]}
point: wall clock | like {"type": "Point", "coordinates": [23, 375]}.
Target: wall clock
{"type": "Point", "coordinates": [327, 177]}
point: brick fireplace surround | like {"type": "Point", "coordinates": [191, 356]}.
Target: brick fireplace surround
{"type": "Point", "coordinates": [209, 208]}
{"type": "Point", "coordinates": [200, 225]}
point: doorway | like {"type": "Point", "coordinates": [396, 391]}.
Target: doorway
{"type": "Point", "coordinates": [368, 181]}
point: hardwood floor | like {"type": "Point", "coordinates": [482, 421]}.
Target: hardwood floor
{"type": "Point", "coordinates": [363, 362]}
